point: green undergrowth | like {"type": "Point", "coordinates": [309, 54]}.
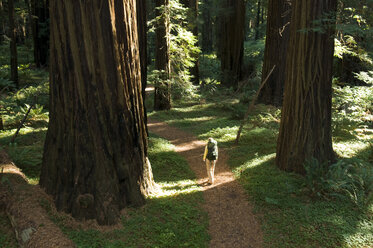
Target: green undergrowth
{"type": "Point", "coordinates": [172, 217]}
{"type": "Point", "coordinates": [290, 215]}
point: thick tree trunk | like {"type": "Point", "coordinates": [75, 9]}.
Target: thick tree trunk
{"type": "Point", "coordinates": [207, 28]}
{"type": "Point", "coordinates": [142, 34]}
{"type": "Point", "coordinates": [305, 130]}
{"type": "Point", "coordinates": [231, 44]}
{"type": "Point", "coordinates": [13, 44]}
{"type": "Point", "coordinates": [1, 123]}
{"type": "Point", "coordinates": [2, 22]}
{"type": "Point", "coordinates": [278, 23]}
{"type": "Point", "coordinates": [40, 31]}
{"type": "Point", "coordinates": [94, 161]}
{"type": "Point", "coordinates": [162, 93]}
{"type": "Point", "coordinates": [257, 20]}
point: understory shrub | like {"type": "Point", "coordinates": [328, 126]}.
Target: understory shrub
{"type": "Point", "coordinates": [348, 179]}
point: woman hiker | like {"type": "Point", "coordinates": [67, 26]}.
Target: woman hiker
{"type": "Point", "coordinates": [211, 156]}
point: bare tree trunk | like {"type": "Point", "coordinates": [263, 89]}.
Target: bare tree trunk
{"type": "Point", "coordinates": [207, 28]}
{"type": "Point", "coordinates": [40, 31]}
{"type": "Point", "coordinates": [232, 39]}
{"type": "Point", "coordinates": [94, 161]}
{"type": "Point", "coordinates": [13, 44]}
{"type": "Point", "coordinates": [278, 23]}
{"type": "Point", "coordinates": [1, 123]}
{"type": "Point", "coordinates": [142, 33]}
{"type": "Point", "coordinates": [257, 20]}
{"type": "Point", "coordinates": [2, 22]}
{"type": "Point", "coordinates": [305, 130]}
{"type": "Point", "coordinates": [162, 93]}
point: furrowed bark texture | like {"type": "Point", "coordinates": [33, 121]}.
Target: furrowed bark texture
{"type": "Point", "coordinates": [278, 26]}
{"type": "Point", "coordinates": [232, 38]}
{"type": "Point", "coordinates": [305, 129]}
{"type": "Point", "coordinates": [162, 92]}
{"type": "Point", "coordinates": [94, 161]}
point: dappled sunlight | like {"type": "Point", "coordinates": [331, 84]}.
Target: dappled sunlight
{"type": "Point", "coordinates": [351, 148]}
{"type": "Point", "coordinates": [176, 188]}
{"type": "Point", "coordinates": [256, 161]}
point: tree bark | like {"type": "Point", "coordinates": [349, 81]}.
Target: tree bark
{"type": "Point", "coordinates": [278, 23]}
{"type": "Point", "coordinates": [40, 31]}
{"type": "Point", "coordinates": [232, 39]}
{"type": "Point", "coordinates": [257, 23]}
{"type": "Point", "coordinates": [162, 92]}
{"type": "Point", "coordinates": [2, 22]}
{"type": "Point", "coordinates": [207, 28]}
{"type": "Point", "coordinates": [13, 44]}
{"type": "Point", "coordinates": [305, 130]}
{"type": "Point", "coordinates": [1, 123]}
{"type": "Point", "coordinates": [94, 161]}
{"type": "Point", "coordinates": [142, 33]}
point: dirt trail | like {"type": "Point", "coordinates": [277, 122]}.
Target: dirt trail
{"type": "Point", "coordinates": [231, 221]}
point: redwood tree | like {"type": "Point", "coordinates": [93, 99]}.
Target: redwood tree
{"type": "Point", "coordinates": [162, 93]}
{"type": "Point", "coordinates": [40, 31]}
{"type": "Point", "coordinates": [278, 23]}
{"type": "Point", "coordinates": [13, 44]}
{"type": "Point", "coordinates": [231, 41]}
{"type": "Point", "coordinates": [94, 161]}
{"type": "Point", "coordinates": [305, 130]}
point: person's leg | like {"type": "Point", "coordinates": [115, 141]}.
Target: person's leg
{"type": "Point", "coordinates": [208, 165]}
{"type": "Point", "coordinates": [212, 170]}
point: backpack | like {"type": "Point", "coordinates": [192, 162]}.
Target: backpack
{"type": "Point", "coordinates": [212, 150]}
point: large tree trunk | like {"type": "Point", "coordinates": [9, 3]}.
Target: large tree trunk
{"type": "Point", "coordinates": [231, 44]}
{"type": "Point", "coordinates": [257, 21]}
{"type": "Point", "coordinates": [162, 93]}
{"type": "Point", "coordinates": [40, 31]}
{"type": "Point", "coordinates": [13, 44]}
{"type": "Point", "coordinates": [94, 161]}
{"type": "Point", "coordinates": [305, 130]}
{"type": "Point", "coordinates": [207, 28]}
{"type": "Point", "coordinates": [142, 34]}
{"type": "Point", "coordinates": [2, 22]}
{"type": "Point", "coordinates": [278, 23]}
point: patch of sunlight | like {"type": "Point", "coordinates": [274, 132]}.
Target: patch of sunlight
{"type": "Point", "coordinates": [172, 189]}
{"type": "Point", "coordinates": [197, 119]}
{"type": "Point", "coordinates": [258, 160]}
{"type": "Point", "coordinates": [226, 134]}
{"type": "Point", "coordinates": [33, 180]}
{"type": "Point", "coordinates": [363, 237]}
{"type": "Point", "coordinates": [348, 149]}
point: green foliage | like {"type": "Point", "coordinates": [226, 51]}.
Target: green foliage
{"type": "Point", "coordinates": [352, 105]}
{"type": "Point", "coordinates": [182, 49]}
{"type": "Point", "coordinates": [350, 179]}
{"type": "Point", "coordinates": [315, 178]}
{"type": "Point", "coordinates": [290, 215]}
{"type": "Point", "coordinates": [172, 217]}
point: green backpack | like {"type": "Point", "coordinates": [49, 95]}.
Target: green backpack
{"type": "Point", "coordinates": [212, 150]}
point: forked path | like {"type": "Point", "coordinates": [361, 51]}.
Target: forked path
{"type": "Point", "coordinates": [231, 221]}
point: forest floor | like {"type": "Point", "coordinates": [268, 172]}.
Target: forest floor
{"type": "Point", "coordinates": [231, 219]}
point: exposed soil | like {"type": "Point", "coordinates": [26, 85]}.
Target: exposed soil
{"type": "Point", "coordinates": [231, 220]}
{"type": "Point", "coordinates": [26, 206]}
